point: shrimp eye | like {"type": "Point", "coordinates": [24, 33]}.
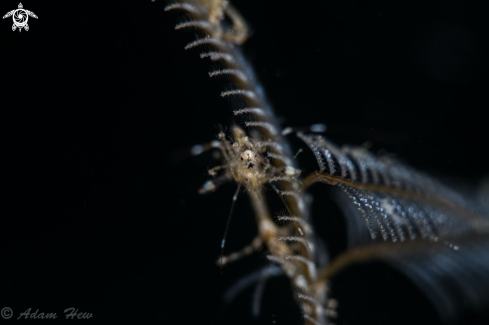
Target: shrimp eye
{"type": "Point", "coordinates": [241, 158]}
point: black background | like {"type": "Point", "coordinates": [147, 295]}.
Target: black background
{"type": "Point", "coordinates": [99, 103]}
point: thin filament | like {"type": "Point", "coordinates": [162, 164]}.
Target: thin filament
{"type": "Point", "coordinates": [223, 242]}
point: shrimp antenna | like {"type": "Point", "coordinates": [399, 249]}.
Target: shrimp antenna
{"type": "Point", "coordinates": [223, 242]}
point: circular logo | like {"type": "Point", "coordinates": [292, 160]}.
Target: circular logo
{"type": "Point", "coordinates": [20, 17]}
{"type": "Point", "coordinates": [6, 312]}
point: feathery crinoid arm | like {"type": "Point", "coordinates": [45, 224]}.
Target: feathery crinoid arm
{"type": "Point", "coordinates": [269, 159]}
{"type": "Point", "coordinates": [394, 199]}
{"type": "Point", "coordinates": [221, 45]}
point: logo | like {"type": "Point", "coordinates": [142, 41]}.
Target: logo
{"type": "Point", "coordinates": [20, 17]}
